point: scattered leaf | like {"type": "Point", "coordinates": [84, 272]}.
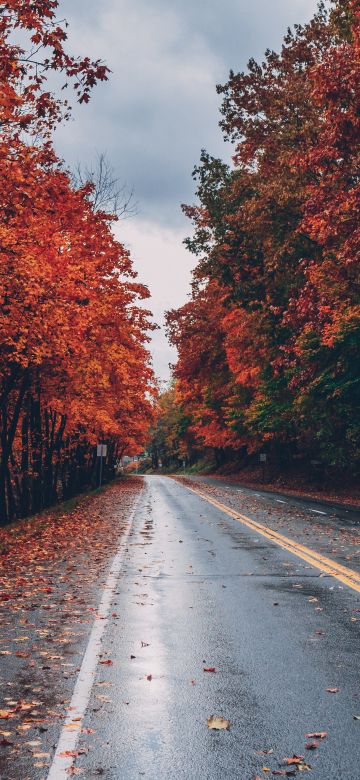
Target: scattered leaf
{"type": "Point", "coordinates": [294, 760]}
{"type": "Point", "coordinates": [217, 722]}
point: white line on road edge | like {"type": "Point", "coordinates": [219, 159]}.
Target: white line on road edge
{"type": "Point", "coordinates": [318, 511]}
{"type": "Point", "coordinates": [80, 699]}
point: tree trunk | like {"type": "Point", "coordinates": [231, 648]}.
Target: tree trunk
{"type": "Point", "coordinates": [37, 450]}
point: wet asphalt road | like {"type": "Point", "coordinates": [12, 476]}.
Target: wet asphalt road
{"type": "Point", "coordinates": [198, 590]}
{"type": "Point", "coordinates": [345, 514]}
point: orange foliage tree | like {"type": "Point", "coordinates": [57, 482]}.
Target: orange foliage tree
{"type": "Point", "coordinates": [74, 367]}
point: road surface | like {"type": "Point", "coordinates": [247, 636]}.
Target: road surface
{"type": "Point", "coordinates": [194, 588]}
{"type": "Point", "coordinates": [198, 590]}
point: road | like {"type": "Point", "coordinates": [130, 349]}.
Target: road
{"type": "Point", "coordinates": [347, 513]}
{"type": "Point", "coordinates": [199, 590]}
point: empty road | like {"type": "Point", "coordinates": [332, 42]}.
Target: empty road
{"type": "Point", "coordinates": [199, 590]}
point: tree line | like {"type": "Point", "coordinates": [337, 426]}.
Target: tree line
{"type": "Point", "coordinates": [269, 342]}
{"type": "Point", "coordinates": [74, 364]}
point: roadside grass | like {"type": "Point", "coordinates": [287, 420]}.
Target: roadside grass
{"type": "Point", "coordinates": [203, 466]}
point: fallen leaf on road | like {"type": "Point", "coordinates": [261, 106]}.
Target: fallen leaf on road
{"type": "Point", "coordinates": [209, 669]}
{"type": "Point", "coordinates": [149, 677]}
{"type": "Point", "coordinates": [316, 735]}
{"type": "Point", "coordinates": [311, 745]}
{"type": "Point", "coordinates": [294, 760]}
{"type": "Point", "coordinates": [41, 755]}
{"type": "Point", "coordinates": [5, 714]}
{"type": "Point", "coordinates": [218, 722]}
{"type": "Point", "coordinates": [69, 754]}
{"type": "Point", "coordinates": [356, 717]}
{"type": "Point", "coordinates": [332, 690]}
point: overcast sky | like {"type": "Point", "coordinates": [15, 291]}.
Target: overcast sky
{"type": "Point", "coordinates": [159, 109]}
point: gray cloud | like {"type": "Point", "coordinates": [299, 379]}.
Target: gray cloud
{"type": "Point", "coordinates": [160, 108]}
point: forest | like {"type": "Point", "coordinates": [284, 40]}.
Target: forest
{"type": "Point", "coordinates": [74, 364]}
{"type": "Point", "coordinates": [269, 342]}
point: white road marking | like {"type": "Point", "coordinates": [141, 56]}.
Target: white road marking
{"type": "Point", "coordinates": [318, 511]}
{"type": "Point", "coordinates": [80, 699]}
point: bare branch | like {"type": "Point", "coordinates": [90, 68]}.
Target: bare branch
{"type": "Point", "coordinates": [109, 194]}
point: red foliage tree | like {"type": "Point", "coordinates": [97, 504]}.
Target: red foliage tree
{"type": "Point", "coordinates": [74, 368]}
{"type": "Point", "coordinates": [277, 240]}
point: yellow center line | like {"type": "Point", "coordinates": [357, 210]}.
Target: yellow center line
{"type": "Point", "coordinates": [344, 574]}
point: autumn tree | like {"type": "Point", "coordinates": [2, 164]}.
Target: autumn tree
{"type": "Point", "coordinates": [324, 315]}
{"type": "Point", "coordinates": [276, 236]}
{"type": "Point", "coordinates": [166, 444]}
{"type": "Point", "coordinates": [74, 365]}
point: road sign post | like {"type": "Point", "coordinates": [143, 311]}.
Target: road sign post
{"type": "Point", "coordinates": [101, 453]}
{"type": "Point", "coordinates": [263, 459]}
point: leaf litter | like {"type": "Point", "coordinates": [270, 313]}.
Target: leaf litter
{"type": "Point", "coordinates": [51, 567]}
